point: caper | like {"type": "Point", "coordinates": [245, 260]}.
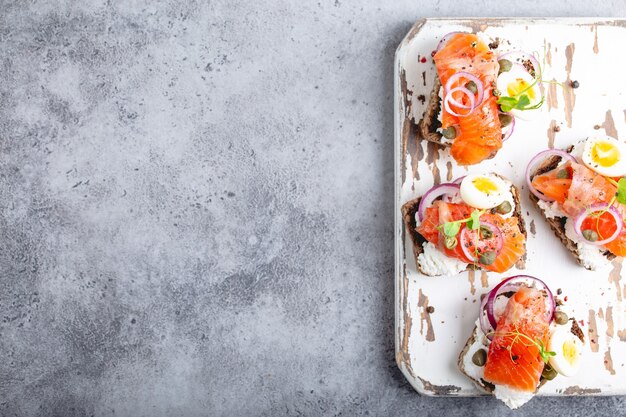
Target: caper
{"type": "Point", "coordinates": [485, 232]}
{"type": "Point", "coordinates": [504, 208]}
{"type": "Point", "coordinates": [450, 242]}
{"type": "Point", "coordinates": [487, 258]}
{"type": "Point", "coordinates": [496, 92]}
{"type": "Point", "coordinates": [479, 357]}
{"type": "Point", "coordinates": [449, 132]}
{"type": "Point", "coordinates": [505, 119]}
{"type": "Point", "coordinates": [562, 173]}
{"type": "Point", "coordinates": [471, 85]}
{"type": "Point", "coordinates": [560, 317]}
{"type": "Point", "coordinates": [548, 373]}
{"type": "Point", "coordinates": [505, 65]}
{"type": "Point", "coordinates": [590, 235]}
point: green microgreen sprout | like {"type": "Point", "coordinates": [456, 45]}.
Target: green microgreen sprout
{"type": "Point", "coordinates": [451, 229]}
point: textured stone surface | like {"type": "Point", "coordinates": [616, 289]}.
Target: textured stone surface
{"type": "Point", "coordinates": [196, 208]}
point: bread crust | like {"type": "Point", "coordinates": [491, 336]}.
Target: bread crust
{"type": "Point", "coordinates": [428, 125]}
{"type": "Point", "coordinates": [485, 386]}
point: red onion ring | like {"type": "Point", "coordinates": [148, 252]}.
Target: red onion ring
{"type": "Point", "coordinates": [448, 98]}
{"type": "Point", "coordinates": [434, 193]}
{"type": "Point", "coordinates": [525, 55]}
{"type": "Point", "coordinates": [457, 103]}
{"type": "Point", "coordinates": [510, 128]}
{"type": "Point", "coordinates": [494, 230]}
{"type": "Point", "coordinates": [540, 157]}
{"type": "Point", "coordinates": [444, 39]}
{"type": "Point", "coordinates": [458, 180]}
{"type": "Point", "coordinates": [512, 284]}
{"type": "Point", "coordinates": [594, 209]}
{"type": "Point", "coordinates": [480, 89]}
{"type": "Point", "coordinates": [485, 325]}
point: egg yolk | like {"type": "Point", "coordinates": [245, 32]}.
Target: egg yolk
{"type": "Point", "coordinates": [570, 352]}
{"type": "Point", "coordinates": [518, 86]}
{"type": "Point", "coordinates": [605, 154]}
{"type": "Point", "coordinates": [485, 185]}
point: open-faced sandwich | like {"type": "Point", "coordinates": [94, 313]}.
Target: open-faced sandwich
{"type": "Point", "coordinates": [582, 194]}
{"type": "Point", "coordinates": [521, 341]}
{"type": "Point", "coordinates": [475, 222]}
{"type": "Point", "coordinates": [477, 96]}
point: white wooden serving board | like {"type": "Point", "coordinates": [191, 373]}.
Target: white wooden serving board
{"type": "Point", "coordinates": [590, 51]}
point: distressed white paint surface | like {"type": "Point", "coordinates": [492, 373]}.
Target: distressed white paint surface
{"type": "Point", "coordinates": [598, 67]}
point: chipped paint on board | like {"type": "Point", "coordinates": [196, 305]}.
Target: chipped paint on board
{"type": "Point", "coordinates": [439, 389]}
{"type": "Point", "coordinates": [576, 390]}
{"type": "Point", "coordinates": [608, 361]}
{"type": "Point", "coordinates": [552, 99]}
{"type": "Point", "coordinates": [568, 92]}
{"type": "Point", "coordinates": [592, 331]}
{"type": "Point", "coordinates": [609, 321]}
{"type": "Point", "coordinates": [484, 279]}
{"type": "Point", "coordinates": [609, 125]}
{"type": "Point", "coordinates": [548, 53]}
{"type": "Point", "coordinates": [449, 173]}
{"type": "Point", "coordinates": [471, 278]}
{"type": "Point", "coordinates": [615, 277]}
{"type": "Point", "coordinates": [425, 320]}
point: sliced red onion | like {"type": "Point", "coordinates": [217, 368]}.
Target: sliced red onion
{"type": "Point", "coordinates": [434, 193]}
{"type": "Point", "coordinates": [594, 209]}
{"type": "Point", "coordinates": [448, 98]}
{"type": "Point", "coordinates": [458, 180]}
{"type": "Point", "coordinates": [508, 131]}
{"type": "Point", "coordinates": [494, 230]}
{"type": "Point", "coordinates": [457, 103]}
{"type": "Point", "coordinates": [538, 158]}
{"type": "Point", "coordinates": [485, 325]}
{"type": "Point", "coordinates": [480, 89]}
{"type": "Point", "coordinates": [523, 55]}
{"type": "Point", "coordinates": [445, 40]}
{"type": "Point", "coordinates": [507, 285]}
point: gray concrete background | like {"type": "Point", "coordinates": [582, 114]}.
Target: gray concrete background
{"type": "Point", "coordinates": [196, 208]}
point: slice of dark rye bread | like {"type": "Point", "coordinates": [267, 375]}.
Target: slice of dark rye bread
{"type": "Point", "coordinates": [557, 224]}
{"type": "Point", "coordinates": [428, 125]}
{"type": "Point", "coordinates": [408, 214]}
{"type": "Point", "coordinates": [487, 386]}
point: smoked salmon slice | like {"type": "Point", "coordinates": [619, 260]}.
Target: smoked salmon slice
{"type": "Point", "coordinates": [576, 194]}
{"type": "Point", "coordinates": [617, 246]}
{"type": "Point", "coordinates": [479, 134]}
{"type": "Point", "coordinates": [553, 187]}
{"type": "Point", "coordinates": [513, 359]}
{"type": "Point", "coordinates": [514, 241]}
{"type": "Point", "coordinates": [514, 246]}
{"type": "Point", "coordinates": [588, 187]}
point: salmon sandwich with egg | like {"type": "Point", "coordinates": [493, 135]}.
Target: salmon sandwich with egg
{"type": "Point", "coordinates": [477, 95]}
{"type": "Point", "coordinates": [521, 341]}
{"type": "Point", "coordinates": [474, 222]}
{"type": "Point", "coordinates": [581, 193]}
